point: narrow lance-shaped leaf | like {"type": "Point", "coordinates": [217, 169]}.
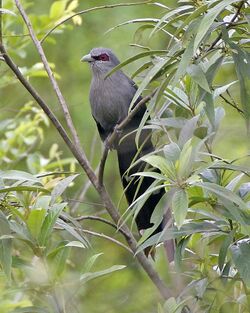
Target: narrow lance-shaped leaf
{"type": "Point", "coordinates": [89, 276]}
{"type": "Point", "coordinates": [180, 206]}
{"type": "Point", "coordinates": [60, 187]}
{"type": "Point", "coordinates": [5, 246]}
{"type": "Point", "coordinates": [35, 221]}
{"type": "Point", "coordinates": [242, 66]}
{"type": "Point", "coordinates": [241, 257]}
{"type": "Point", "coordinates": [164, 165]}
{"type": "Point", "coordinates": [195, 71]}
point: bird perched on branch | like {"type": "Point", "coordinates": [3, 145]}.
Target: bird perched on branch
{"type": "Point", "coordinates": [110, 99]}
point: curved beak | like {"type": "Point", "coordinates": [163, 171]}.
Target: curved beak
{"type": "Point", "coordinates": [87, 58]}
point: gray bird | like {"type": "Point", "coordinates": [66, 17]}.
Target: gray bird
{"type": "Point", "coordinates": [110, 99]}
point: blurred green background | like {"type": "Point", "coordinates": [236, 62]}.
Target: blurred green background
{"type": "Point", "coordinates": [128, 290]}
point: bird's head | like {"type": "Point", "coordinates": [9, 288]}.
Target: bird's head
{"type": "Point", "coordinates": [101, 60]}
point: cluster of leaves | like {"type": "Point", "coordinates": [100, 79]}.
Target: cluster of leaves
{"type": "Point", "coordinates": [208, 194]}
{"type": "Point", "coordinates": [36, 240]}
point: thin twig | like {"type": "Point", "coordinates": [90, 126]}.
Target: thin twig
{"type": "Point", "coordinates": [107, 237]}
{"type": "Point", "coordinates": [100, 219]}
{"type": "Point", "coordinates": [54, 84]}
{"type": "Point", "coordinates": [232, 104]}
{"type": "Point", "coordinates": [101, 236]}
{"type": "Point", "coordinates": [109, 6]}
{"type": "Point", "coordinates": [111, 139]}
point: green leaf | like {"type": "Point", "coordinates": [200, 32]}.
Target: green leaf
{"type": "Point", "coordinates": [180, 206]}
{"type": "Point", "coordinates": [76, 244]}
{"type": "Point", "coordinates": [61, 186]}
{"type": "Point", "coordinates": [185, 61]}
{"type": "Point", "coordinates": [197, 74]}
{"type": "Point", "coordinates": [241, 257]}
{"type": "Point", "coordinates": [172, 152]}
{"type": "Point", "coordinates": [89, 276]}
{"type": "Point", "coordinates": [224, 249]}
{"type": "Point", "coordinates": [242, 66]}
{"type": "Point", "coordinates": [72, 231]}
{"type": "Point", "coordinates": [136, 57]}
{"type": "Point", "coordinates": [186, 160]}
{"type": "Point", "coordinates": [223, 193]}
{"type": "Point", "coordinates": [168, 15]}
{"type": "Point", "coordinates": [49, 223]}
{"type": "Point", "coordinates": [187, 131]}
{"type": "Point", "coordinates": [18, 175]}
{"type": "Point", "coordinates": [218, 91]}
{"type": "Point", "coordinates": [57, 9]}
{"type": "Point", "coordinates": [185, 230]}
{"type": "Point", "coordinates": [200, 10]}
{"type": "Point", "coordinates": [59, 260]}
{"type": "Point", "coordinates": [90, 262]}
{"type": "Point", "coordinates": [208, 20]}
{"type": "Point", "coordinates": [35, 221]}
{"type": "Point", "coordinates": [72, 5]}
{"type": "Point", "coordinates": [149, 77]}
{"type": "Point", "coordinates": [24, 188]}
{"type": "Point", "coordinates": [5, 246]}
{"type": "Point", "coordinates": [165, 166]}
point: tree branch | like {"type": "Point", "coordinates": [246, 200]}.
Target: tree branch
{"type": "Point", "coordinates": [54, 84]}
{"type": "Point", "coordinates": [84, 163]}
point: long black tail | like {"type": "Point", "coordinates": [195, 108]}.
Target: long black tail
{"type": "Point", "coordinates": [133, 186]}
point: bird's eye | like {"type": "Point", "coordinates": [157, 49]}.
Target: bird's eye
{"type": "Point", "coordinates": [103, 57]}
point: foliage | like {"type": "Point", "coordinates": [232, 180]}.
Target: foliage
{"type": "Point", "coordinates": [37, 242]}
{"type": "Point", "coordinates": [204, 190]}
{"type": "Point", "coordinates": [200, 42]}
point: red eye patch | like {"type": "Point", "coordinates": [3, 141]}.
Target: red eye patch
{"type": "Point", "coordinates": [101, 57]}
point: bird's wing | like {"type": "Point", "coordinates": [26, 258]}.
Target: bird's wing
{"type": "Point", "coordinates": [102, 132]}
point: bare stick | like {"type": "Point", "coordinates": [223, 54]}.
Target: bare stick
{"type": "Point", "coordinates": [109, 6]}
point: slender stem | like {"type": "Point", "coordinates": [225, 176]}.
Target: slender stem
{"type": "Point", "coordinates": [109, 6]}
{"type": "Point", "coordinates": [54, 84]}
{"type": "Point", "coordinates": [232, 104]}
{"type": "Point", "coordinates": [100, 219]}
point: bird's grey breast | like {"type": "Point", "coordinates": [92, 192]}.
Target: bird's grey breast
{"type": "Point", "coordinates": [110, 99]}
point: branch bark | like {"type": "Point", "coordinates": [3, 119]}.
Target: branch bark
{"type": "Point", "coordinates": [80, 156]}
